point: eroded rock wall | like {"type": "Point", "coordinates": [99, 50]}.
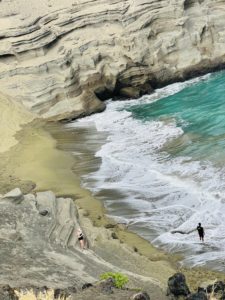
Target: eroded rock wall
{"type": "Point", "coordinates": [56, 56]}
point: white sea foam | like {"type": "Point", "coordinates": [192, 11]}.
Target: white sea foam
{"type": "Point", "coordinates": [160, 194]}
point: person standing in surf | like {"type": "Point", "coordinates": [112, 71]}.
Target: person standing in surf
{"type": "Point", "coordinates": [201, 232]}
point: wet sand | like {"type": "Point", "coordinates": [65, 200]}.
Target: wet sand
{"type": "Point", "coordinates": [42, 160]}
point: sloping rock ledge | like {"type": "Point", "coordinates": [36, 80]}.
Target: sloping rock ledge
{"type": "Point", "coordinates": [40, 252]}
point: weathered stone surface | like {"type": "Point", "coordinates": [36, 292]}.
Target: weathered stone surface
{"type": "Point", "coordinates": [7, 293]}
{"type": "Point", "coordinates": [42, 250]}
{"type": "Point", "coordinates": [64, 293]}
{"type": "Point", "coordinates": [44, 212]}
{"type": "Point", "coordinates": [15, 194]}
{"type": "Point", "coordinates": [55, 57]}
{"type": "Point", "coordinates": [177, 285]}
{"type": "Point", "coordinates": [106, 286]}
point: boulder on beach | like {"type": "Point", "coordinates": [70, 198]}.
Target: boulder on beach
{"type": "Point", "coordinates": [197, 296]}
{"type": "Point", "coordinates": [177, 285]}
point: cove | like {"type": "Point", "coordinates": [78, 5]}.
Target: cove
{"type": "Point", "coordinates": [162, 167]}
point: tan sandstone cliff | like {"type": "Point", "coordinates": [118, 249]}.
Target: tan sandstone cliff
{"type": "Point", "coordinates": [57, 57]}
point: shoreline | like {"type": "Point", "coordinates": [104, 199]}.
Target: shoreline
{"type": "Point", "coordinates": [24, 165]}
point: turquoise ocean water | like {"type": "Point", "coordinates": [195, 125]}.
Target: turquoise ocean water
{"type": "Point", "coordinates": [200, 111]}
{"type": "Point", "coordinates": [164, 158]}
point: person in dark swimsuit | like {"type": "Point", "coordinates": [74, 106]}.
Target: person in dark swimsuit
{"type": "Point", "coordinates": [201, 232]}
{"type": "Point", "coordinates": [80, 237]}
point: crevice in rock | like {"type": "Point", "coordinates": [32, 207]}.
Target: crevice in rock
{"type": "Point", "coordinates": [7, 56]}
{"type": "Point", "coordinates": [203, 33]}
{"type": "Point", "coordinates": [190, 3]}
{"type": "Point", "coordinates": [52, 43]}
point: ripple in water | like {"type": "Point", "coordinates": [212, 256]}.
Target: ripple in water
{"type": "Point", "coordinates": [165, 161]}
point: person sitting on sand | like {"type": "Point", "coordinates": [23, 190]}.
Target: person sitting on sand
{"type": "Point", "coordinates": [80, 238]}
{"type": "Point", "coordinates": [201, 232]}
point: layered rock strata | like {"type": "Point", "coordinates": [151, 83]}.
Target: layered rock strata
{"type": "Point", "coordinates": [39, 243]}
{"type": "Point", "coordinates": [60, 57]}
{"type": "Point", "coordinates": [39, 248]}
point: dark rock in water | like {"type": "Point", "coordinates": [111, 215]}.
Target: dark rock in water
{"type": "Point", "coordinates": [197, 296]}
{"type": "Point", "coordinates": [86, 286]}
{"type": "Point", "coordinates": [7, 293]}
{"type": "Point", "coordinates": [177, 285]}
{"type": "Point", "coordinates": [140, 296]}
{"type": "Point", "coordinates": [107, 285]}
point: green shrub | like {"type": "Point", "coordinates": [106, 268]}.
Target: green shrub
{"type": "Point", "coordinates": [120, 279]}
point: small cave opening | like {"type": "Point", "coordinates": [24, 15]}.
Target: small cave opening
{"type": "Point", "coordinates": [4, 58]}
{"type": "Point", "coordinates": [104, 94]}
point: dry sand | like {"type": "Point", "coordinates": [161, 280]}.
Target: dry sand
{"type": "Point", "coordinates": [12, 117]}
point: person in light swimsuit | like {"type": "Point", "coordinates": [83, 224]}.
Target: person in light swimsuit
{"type": "Point", "coordinates": [80, 237]}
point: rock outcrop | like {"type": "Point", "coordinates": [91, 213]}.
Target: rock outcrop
{"type": "Point", "coordinates": [177, 286]}
{"type": "Point", "coordinates": [60, 57]}
{"type": "Point", "coordinates": [70, 293]}
{"type": "Point", "coordinates": [40, 250]}
{"type": "Point", "coordinates": [179, 290]}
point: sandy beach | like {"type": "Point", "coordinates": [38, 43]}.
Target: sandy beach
{"type": "Point", "coordinates": [38, 163]}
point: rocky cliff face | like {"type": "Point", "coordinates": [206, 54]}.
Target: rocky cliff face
{"type": "Point", "coordinates": [38, 235]}
{"type": "Point", "coordinates": [60, 57]}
